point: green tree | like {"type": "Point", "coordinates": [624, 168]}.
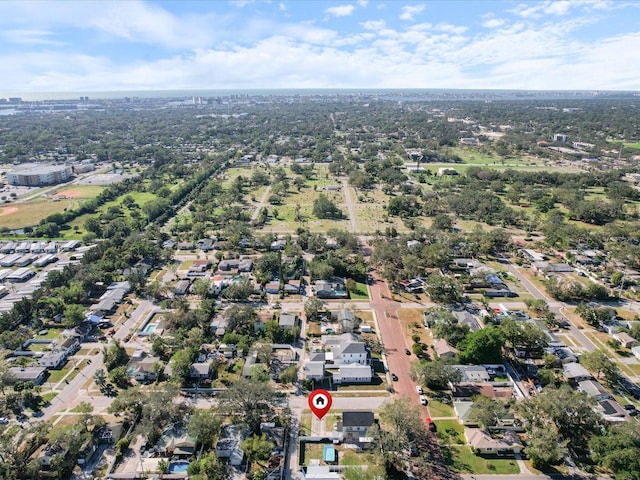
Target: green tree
{"type": "Point", "coordinates": [482, 346]}
{"type": "Point", "coordinates": [487, 412]}
{"type": "Point", "coordinates": [204, 425]}
{"type": "Point", "coordinates": [323, 207]}
{"type": "Point", "coordinates": [99, 377]}
{"type": "Point", "coordinates": [544, 449]}
{"type": "Point", "coordinates": [436, 375]}
{"type": "Point", "coordinates": [312, 307]}
{"type": "Point", "coordinates": [73, 315]}
{"type": "Point", "coordinates": [618, 450]}
{"type": "Point", "coordinates": [114, 355]}
{"type": "Point", "coordinates": [443, 289]}
{"type": "Point", "coordinates": [257, 448]}
{"type": "Point", "coordinates": [248, 402]}
{"type": "Point", "coordinates": [598, 363]}
{"type": "Point", "coordinates": [119, 376]}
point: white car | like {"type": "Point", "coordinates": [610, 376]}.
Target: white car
{"type": "Point", "coordinates": [423, 400]}
{"type": "Point", "coordinates": [419, 390]}
{"type": "Point", "coordinates": [4, 420]}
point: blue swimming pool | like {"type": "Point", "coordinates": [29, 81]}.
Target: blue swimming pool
{"type": "Point", "coordinates": [151, 328]}
{"type": "Point", "coordinates": [329, 454]}
{"type": "Point", "coordinates": [179, 466]}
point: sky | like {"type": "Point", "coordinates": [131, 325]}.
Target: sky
{"type": "Point", "coordinates": [59, 46]}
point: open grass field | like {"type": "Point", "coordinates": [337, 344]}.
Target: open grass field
{"type": "Point", "coordinates": [78, 191]}
{"type": "Point", "coordinates": [463, 460]}
{"type": "Point", "coordinates": [633, 146]}
{"type": "Point", "coordinates": [20, 215]}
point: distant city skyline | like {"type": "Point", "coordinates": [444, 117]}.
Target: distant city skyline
{"type": "Point", "coordinates": [60, 46]}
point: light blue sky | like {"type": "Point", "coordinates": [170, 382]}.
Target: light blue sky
{"type": "Point", "coordinates": [135, 45]}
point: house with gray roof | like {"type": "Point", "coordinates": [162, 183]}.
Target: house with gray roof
{"type": "Point", "coordinates": [575, 372]}
{"type": "Point", "coordinates": [593, 389]}
{"type": "Point", "coordinates": [353, 373]}
{"type": "Point", "coordinates": [28, 374]}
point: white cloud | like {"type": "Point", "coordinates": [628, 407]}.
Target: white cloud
{"type": "Point", "coordinates": [374, 25]}
{"type": "Point", "coordinates": [493, 23]}
{"type": "Point", "coordinates": [282, 7]}
{"type": "Point", "coordinates": [409, 12]}
{"type": "Point", "coordinates": [340, 10]}
{"type": "Point", "coordinates": [563, 7]}
{"type": "Point", "coordinates": [363, 3]}
{"type": "Point", "coordinates": [31, 37]}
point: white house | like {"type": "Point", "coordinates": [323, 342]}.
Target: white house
{"type": "Point", "coordinates": [353, 373]}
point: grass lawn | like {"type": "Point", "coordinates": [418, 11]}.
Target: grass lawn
{"type": "Point", "coordinates": [305, 422]}
{"type": "Point", "coordinates": [378, 382]}
{"type": "Point", "coordinates": [450, 431]}
{"type": "Point", "coordinates": [463, 460]}
{"type": "Point", "coordinates": [360, 293]}
{"type": "Point", "coordinates": [56, 376]}
{"type": "Point", "coordinates": [439, 409]}
{"type": "Point", "coordinates": [47, 397]}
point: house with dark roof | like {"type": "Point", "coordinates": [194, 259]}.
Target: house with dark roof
{"type": "Point", "coordinates": [355, 424]}
{"type": "Point", "coordinates": [332, 288]}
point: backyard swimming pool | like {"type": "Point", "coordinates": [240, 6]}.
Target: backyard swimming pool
{"type": "Point", "coordinates": [179, 466]}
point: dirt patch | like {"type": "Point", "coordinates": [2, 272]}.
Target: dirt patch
{"type": "Point", "coordinates": [8, 211]}
{"type": "Point", "coordinates": [70, 193]}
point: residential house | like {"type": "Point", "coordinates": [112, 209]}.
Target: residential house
{"type": "Point", "coordinates": [353, 373]}
{"type": "Point", "coordinates": [575, 372]}
{"type": "Point", "coordinates": [53, 359]}
{"type": "Point", "coordinates": [219, 325]}
{"type": "Point", "coordinates": [347, 320]}
{"type": "Point", "coordinates": [611, 410]}
{"type": "Point", "coordinates": [228, 265]}
{"type": "Point", "coordinates": [272, 288]}
{"type": "Point", "coordinates": [348, 351]}
{"type": "Point", "coordinates": [292, 287]}
{"type": "Point", "coordinates": [175, 441]}
{"type": "Point", "coordinates": [473, 373]}
{"type": "Point", "coordinates": [355, 425]}
{"type": "Point", "coordinates": [69, 346]}
{"type": "Point", "coordinates": [36, 375]}
{"type": "Point", "coordinates": [181, 288]}
{"type": "Point", "coordinates": [462, 408]}
{"type": "Point", "coordinates": [483, 443]}
{"type": "Point", "coordinates": [593, 389]}
{"type": "Point", "coordinates": [200, 370]}
{"type": "Point", "coordinates": [625, 340]}
{"type": "Point", "coordinates": [228, 445]}
{"type": "Point", "coordinates": [443, 349]}
{"type": "Point", "coordinates": [333, 288]}
{"type": "Point", "coordinates": [186, 246]}
{"type": "Point", "coordinates": [288, 321]}
{"type": "Point", "coordinates": [314, 370]}
{"type": "Point", "coordinates": [245, 265]}
{"type": "Point", "coordinates": [205, 244]}
{"type": "Point", "coordinates": [636, 351]}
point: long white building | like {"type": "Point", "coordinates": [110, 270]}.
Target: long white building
{"type": "Point", "coordinates": [40, 175]}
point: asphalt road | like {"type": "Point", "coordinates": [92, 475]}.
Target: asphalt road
{"type": "Point", "coordinates": [554, 306]}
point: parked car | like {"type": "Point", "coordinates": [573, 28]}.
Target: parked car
{"type": "Point", "coordinates": [419, 390]}
{"type": "Point", "coordinates": [4, 420]}
{"type": "Point", "coordinates": [407, 351]}
{"type": "Point", "coordinates": [629, 406]}
{"type": "Point", "coordinates": [394, 377]}
{"type": "Point", "coordinates": [423, 400]}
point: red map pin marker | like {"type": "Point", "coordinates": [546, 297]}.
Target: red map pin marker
{"type": "Point", "coordinates": [320, 403]}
